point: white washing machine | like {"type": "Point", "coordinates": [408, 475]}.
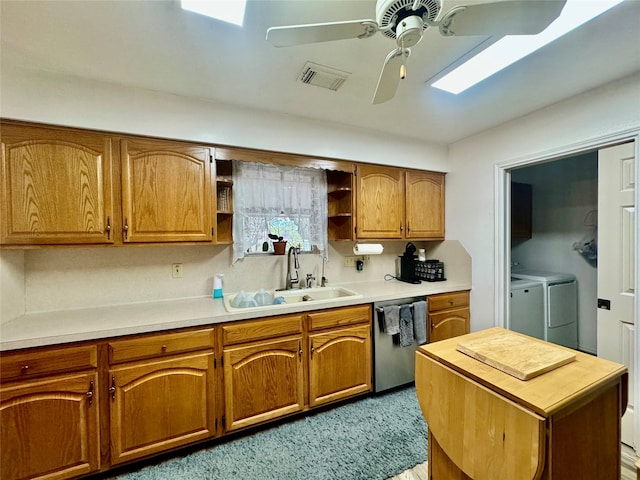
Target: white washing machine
{"type": "Point", "coordinates": [526, 308]}
{"type": "Point", "coordinates": [560, 301]}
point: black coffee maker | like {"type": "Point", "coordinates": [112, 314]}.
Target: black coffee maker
{"type": "Point", "coordinates": [408, 265]}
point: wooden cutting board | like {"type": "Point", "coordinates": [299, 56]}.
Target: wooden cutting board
{"type": "Point", "coordinates": [517, 355]}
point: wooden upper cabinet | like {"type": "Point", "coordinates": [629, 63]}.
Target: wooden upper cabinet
{"type": "Point", "coordinates": [394, 203]}
{"type": "Point", "coordinates": [166, 192]}
{"type": "Point", "coordinates": [56, 186]}
{"type": "Point", "coordinates": [424, 205]}
{"type": "Point", "coordinates": [380, 197]}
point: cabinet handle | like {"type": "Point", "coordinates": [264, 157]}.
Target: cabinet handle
{"type": "Point", "coordinates": [408, 228]}
{"type": "Point", "coordinates": [112, 388]}
{"type": "Point", "coordinates": [108, 228]}
{"type": "Point", "coordinates": [312, 349]}
{"type": "Point", "coordinates": [401, 226]}
{"type": "Point", "coordinates": [24, 369]}
{"type": "Point", "coordinates": [125, 228]}
{"type": "Point", "coordinates": [90, 392]}
{"type": "Point", "coordinates": [300, 350]}
{"type": "Point", "coordinates": [163, 348]}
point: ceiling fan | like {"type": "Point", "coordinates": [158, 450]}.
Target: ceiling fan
{"type": "Point", "coordinates": [406, 20]}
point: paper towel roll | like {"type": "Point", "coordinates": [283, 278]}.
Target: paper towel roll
{"type": "Point", "coordinates": [367, 249]}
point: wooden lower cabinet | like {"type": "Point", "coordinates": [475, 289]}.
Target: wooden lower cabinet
{"type": "Point", "coordinates": [449, 315]}
{"type": "Point", "coordinates": [50, 427]}
{"type": "Point", "coordinates": [262, 381]}
{"type": "Point", "coordinates": [162, 391]}
{"type": "Point", "coordinates": [339, 364]}
{"type": "Point", "coordinates": [161, 404]}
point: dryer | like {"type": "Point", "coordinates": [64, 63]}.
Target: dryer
{"type": "Point", "coordinates": [560, 303]}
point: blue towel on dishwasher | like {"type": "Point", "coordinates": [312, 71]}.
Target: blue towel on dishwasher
{"type": "Point", "coordinates": [420, 322]}
{"type": "Point", "coordinates": [406, 326]}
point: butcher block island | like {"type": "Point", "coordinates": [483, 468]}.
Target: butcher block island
{"type": "Point", "coordinates": [485, 423]}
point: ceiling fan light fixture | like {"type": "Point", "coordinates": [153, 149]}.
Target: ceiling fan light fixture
{"type": "Point", "coordinates": [409, 31]}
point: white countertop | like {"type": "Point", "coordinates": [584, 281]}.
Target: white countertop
{"type": "Point", "coordinates": [53, 328]}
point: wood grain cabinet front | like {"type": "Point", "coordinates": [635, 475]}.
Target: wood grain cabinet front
{"type": "Point", "coordinates": [49, 427]}
{"type": "Point", "coordinates": [340, 353]}
{"type": "Point", "coordinates": [449, 315]}
{"type": "Point", "coordinates": [160, 404]}
{"type": "Point", "coordinates": [167, 191]}
{"type": "Point", "coordinates": [263, 381]}
{"type": "Point", "coordinates": [56, 186]}
{"type": "Point", "coordinates": [339, 364]}
{"type": "Point", "coordinates": [394, 203]}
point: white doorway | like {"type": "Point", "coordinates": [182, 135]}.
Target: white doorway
{"type": "Point", "coordinates": [503, 234]}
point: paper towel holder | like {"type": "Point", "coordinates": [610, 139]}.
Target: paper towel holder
{"type": "Point", "coordinates": [367, 248]}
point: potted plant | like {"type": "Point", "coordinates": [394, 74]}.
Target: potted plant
{"type": "Point", "coordinates": [279, 244]}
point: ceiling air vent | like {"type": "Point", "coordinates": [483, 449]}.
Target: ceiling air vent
{"type": "Point", "coordinates": [321, 76]}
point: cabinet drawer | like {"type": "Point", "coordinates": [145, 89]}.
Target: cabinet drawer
{"type": "Point", "coordinates": [339, 317]}
{"type": "Point", "coordinates": [260, 329]}
{"type": "Point", "coordinates": [159, 345]}
{"type": "Point", "coordinates": [448, 300]}
{"type": "Point", "coordinates": [21, 365]}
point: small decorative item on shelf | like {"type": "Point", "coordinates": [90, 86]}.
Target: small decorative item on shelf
{"type": "Point", "coordinates": [279, 244]}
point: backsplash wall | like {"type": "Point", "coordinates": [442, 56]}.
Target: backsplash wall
{"type": "Point", "coordinates": [72, 278]}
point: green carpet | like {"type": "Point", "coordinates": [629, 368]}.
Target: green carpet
{"type": "Point", "coordinates": [371, 439]}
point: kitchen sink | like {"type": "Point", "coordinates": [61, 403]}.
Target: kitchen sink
{"type": "Point", "coordinates": [314, 295]}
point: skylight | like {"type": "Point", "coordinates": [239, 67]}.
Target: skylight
{"type": "Point", "coordinates": [512, 48]}
{"type": "Point", "coordinates": [230, 11]}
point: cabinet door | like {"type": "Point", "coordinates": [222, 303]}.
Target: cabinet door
{"type": "Point", "coordinates": [521, 210]}
{"type": "Point", "coordinates": [166, 192]}
{"type": "Point", "coordinates": [262, 381]}
{"type": "Point", "coordinates": [56, 186]}
{"type": "Point", "coordinates": [339, 364]}
{"type": "Point", "coordinates": [425, 205]}
{"type": "Point", "coordinates": [448, 323]}
{"type": "Point", "coordinates": [159, 405]}
{"type": "Point", "coordinates": [380, 193]}
{"type": "Point", "coordinates": [49, 428]}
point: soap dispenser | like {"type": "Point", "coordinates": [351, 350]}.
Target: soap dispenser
{"type": "Point", "coordinates": [217, 285]}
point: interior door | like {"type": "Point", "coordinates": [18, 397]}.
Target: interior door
{"type": "Point", "coordinates": [616, 262]}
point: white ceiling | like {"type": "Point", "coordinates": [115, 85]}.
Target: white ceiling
{"type": "Point", "coordinates": [157, 46]}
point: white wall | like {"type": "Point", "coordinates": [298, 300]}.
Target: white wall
{"type": "Point", "coordinates": [470, 185]}
{"type": "Point", "coordinates": [565, 194]}
{"type": "Point", "coordinates": [52, 98]}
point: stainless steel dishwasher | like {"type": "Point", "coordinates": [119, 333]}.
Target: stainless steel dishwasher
{"type": "Point", "coordinates": [393, 365]}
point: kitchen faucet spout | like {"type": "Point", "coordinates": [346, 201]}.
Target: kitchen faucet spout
{"type": "Point", "coordinates": [292, 277]}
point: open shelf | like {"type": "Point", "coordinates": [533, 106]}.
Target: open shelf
{"type": "Point", "coordinates": [340, 205]}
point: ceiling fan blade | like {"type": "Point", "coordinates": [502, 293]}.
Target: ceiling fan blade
{"type": "Point", "coordinates": [390, 76]}
{"type": "Point", "coordinates": [511, 17]}
{"type": "Point", "coordinates": [320, 32]}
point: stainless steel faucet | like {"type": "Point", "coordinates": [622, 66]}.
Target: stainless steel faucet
{"type": "Point", "coordinates": [310, 280]}
{"type": "Point", "coordinates": [291, 279]}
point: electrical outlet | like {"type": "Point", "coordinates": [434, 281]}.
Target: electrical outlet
{"type": "Point", "coordinates": [176, 269]}
{"type": "Point", "coordinates": [349, 261]}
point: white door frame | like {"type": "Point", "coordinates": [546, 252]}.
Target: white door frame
{"type": "Point", "coordinates": [502, 225]}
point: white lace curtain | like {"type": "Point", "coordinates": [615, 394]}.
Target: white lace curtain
{"type": "Point", "coordinates": [287, 201]}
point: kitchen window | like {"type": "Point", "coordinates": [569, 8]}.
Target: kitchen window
{"type": "Point", "coordinates": [290, 202]}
